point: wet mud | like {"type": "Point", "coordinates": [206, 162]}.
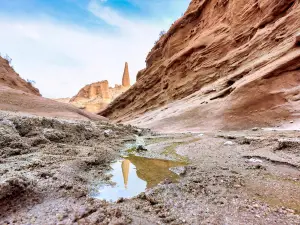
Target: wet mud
{"type": "Point", "coordinates": [50, 167]}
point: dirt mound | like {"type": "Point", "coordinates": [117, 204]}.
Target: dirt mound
{"type": "Point", "coordinates": [230, 64]}
{"type": "Point", "coordinates": [48, 165]}
{"type": "Point", "coordinates": [17, 95]}
{"type": "Point", "coordinates": [19, 101]}
{"type": "Point", "coordinates": [9, 78]}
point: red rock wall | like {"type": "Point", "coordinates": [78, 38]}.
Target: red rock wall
{"type": "Point", "coordinates": [98, 89]}
{"type": "Point", "coordinates": [215, 48]}
{"type": "Point", "coordinates": [126, 78]}
{"type": "Point", "coordinates": [9, 78]}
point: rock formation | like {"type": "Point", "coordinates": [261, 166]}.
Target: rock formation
{"type": "Point", "coordinates": [125, 78]}
{"type": "Point", "coordinates": [222, 65]}
{"type": "Point", "coordinates": [9, 78]}
{"type": "Point", "coordinates": [96, 96]}
{"type": "Point", "coordinates": [98, 89]}
{"type": "Point", "coordinates": [17, 95]}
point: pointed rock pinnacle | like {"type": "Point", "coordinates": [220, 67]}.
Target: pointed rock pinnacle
{"type": "Point", "coordinates": [126, 79]}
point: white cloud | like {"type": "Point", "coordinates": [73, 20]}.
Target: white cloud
{"type": "Point", "coordinates": [108, 15]}
{"type": "Point", "coordinates": [63, 58]}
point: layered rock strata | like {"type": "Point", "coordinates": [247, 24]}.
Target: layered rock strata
{"type": "Point", "coordinates": [96, 96]}
{"type": "Point", "coordinates": [227, 63]}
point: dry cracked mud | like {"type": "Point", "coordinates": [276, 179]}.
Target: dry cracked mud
{"type": "Point", "coordinates": [48, 167]}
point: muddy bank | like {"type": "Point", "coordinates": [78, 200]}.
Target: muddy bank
{"type": "Point", "coordinates": [48, 168]}
{"type": "Point", "coordinates": [48, 165]}
{"type": "Point", "coordinates": [249, 177]}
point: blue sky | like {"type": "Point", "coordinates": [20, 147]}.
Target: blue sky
{"type": "Point", "coordinates": [65, 44]}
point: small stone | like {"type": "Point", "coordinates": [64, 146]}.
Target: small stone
{"type": "Point", "coordinates": [254, 160]}
{"type": "Point", "coordinates": [228, 143]}
{"type": "Point", "coordinates": [180, 170]}
{"type": "Point", "coordinates": [139, 132]}
{"type": "Point", "coordinates": [107, 133]}
{"type": "Point", "coordinates": [291, 121]}
{"type": "Point", "coordinates": [141, 148]}
{"type": "Point", "coordinates": [255, 129]}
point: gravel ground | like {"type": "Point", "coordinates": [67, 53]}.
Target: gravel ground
{"type": "Point", "coordinates": [48, 167]}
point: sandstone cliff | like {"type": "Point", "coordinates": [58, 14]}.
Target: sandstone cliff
{"type": "Point", "coordinates": [98, 89]}
{"type": "Point", "coordinates": [96, 96]}
{"type": "Point", "coordinates": [126, 79]}
{"type": "Point", "coordinates": [19, 96]}
{"type": "Point", "coordinates": [9, 78]}
{"type": "Point", "coordinates": [225, 64]}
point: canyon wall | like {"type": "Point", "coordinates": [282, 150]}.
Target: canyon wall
{"type": "Point", "coordinates": [9, 78]}
{"type": "Point", "coordinates": [227, 63]}
{"type": "Point", "coordinates": [19, 96]}
{"type": "Point", "coordinates": [96, 96]}
{"type": "Point", "coordinates": [98, 89]}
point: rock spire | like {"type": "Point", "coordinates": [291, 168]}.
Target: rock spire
{"type": "Point", "coordinates": [126, 79]}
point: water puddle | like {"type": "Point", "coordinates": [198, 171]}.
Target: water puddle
{"type": "Point", "coordinates": [134, 174]}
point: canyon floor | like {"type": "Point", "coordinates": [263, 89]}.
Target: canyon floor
{"type": "Point", "coordinates": [49, 166]}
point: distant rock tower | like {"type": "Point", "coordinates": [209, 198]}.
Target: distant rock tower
{"type": "Point", "coordinates": [126, 79]}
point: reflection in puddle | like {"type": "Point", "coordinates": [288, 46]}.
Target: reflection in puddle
{"type": "Point", "coordinates": [134, 174]}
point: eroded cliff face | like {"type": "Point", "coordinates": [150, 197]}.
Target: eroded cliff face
{"type": "Point", "coordinates": [19, 96]}
{"type": "Point", "coordinates": [93, 90]}
{"type": "Point", "coordinates": [96, 96]}
{"type": "Point", "coordinates": [229, 63]}
{"type": "Point", "coordinates": [125, 78]}
{"type": "Point", "coordinates": [9, 78]}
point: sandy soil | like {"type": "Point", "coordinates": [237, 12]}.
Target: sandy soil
{"type": "Point", "coordinates": [19, 101]}
{"type": "Point", "coordinates": [48, 167]}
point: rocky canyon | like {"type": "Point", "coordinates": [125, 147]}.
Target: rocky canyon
{"type": "Point", "coordinates": [18, 95]}
{"type": "Point", "coordinates": [230, 63]}
{"type": "Point", "coordinates": [96, 96]}
{"type": "Point", "coordinates": [209, 133]}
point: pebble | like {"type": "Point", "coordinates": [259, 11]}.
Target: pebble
{"type": "Point", "coordinates": [255, 206]}
{"type": "Point", "coordinates": [228, 143]}
{"type": "Point", "coordinates": [253, 160]}
{"type": "Point", "coordinates": [107, 133]}
{"type": "Point", "coordinates": [180, 170]}
{"type": "Point", "coordinates": [141, 148]}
